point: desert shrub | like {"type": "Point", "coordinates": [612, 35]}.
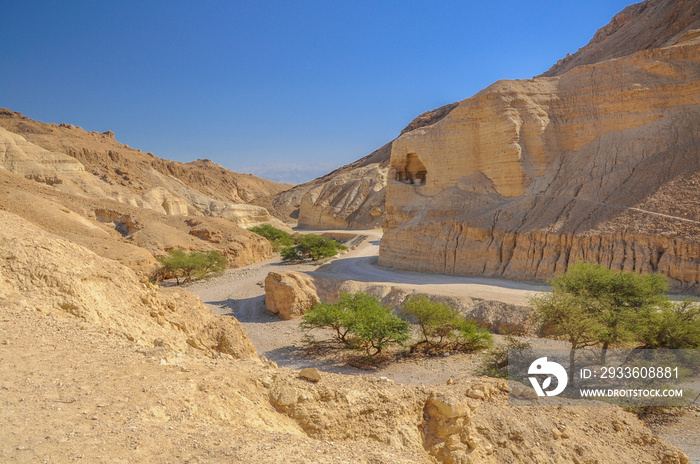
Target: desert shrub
{"type": "Point", "coordinates": [278, 238]}
{"type": "Point", "coordinates": [335, 316]}
{"type": "Point", "coordinates": [375, 326]}
{"type": "Point", "coordinates": [190, 266]}
{"type": "Point", "coordinates": [495, 362]}
{"type": "Point", "coordinates": [290, 254]}
{"type": "Point", "coordinates": [313, 247]}
{"type": "Point", "coordinates": [359, 321]}
{"type": "Point", "coordinates": [443, 327]}
{"type": "Point", "coordinates": [675, 326]}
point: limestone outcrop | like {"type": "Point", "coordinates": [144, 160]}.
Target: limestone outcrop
{"type": "Point", "coordinates": [599, 164]}
{"type": "Point", "coordinates": [289, 294]}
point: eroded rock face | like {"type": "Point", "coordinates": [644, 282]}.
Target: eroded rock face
{"type": "Point", "coordinates": [59, 276]}
{"type": "Point", "coordinates": [289, 294]}
{"type": "Point", "coordinates": [95, 165]}
{"type": "Point", "coordinates": [644, 25]}
{"type": "Point", "coordinates": [526, 177]}
{"type": "Point", "coordinates": [351, 197]}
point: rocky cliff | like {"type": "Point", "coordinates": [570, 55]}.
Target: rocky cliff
{"type": "Point", "coordinates": [351, 197]}
{"type": "Point", "coordinates": [598, 164]}
{"type": "Point", "coordinates": [642, 26]}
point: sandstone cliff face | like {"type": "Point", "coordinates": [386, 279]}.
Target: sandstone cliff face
{"type": "Point", "coordinates": [599, 164]}
{"type": "Point", "coordinates": [351, 197]}
{"type": "Point", "coordinates": [130, 235]}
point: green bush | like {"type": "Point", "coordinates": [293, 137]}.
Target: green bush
{"type": "Point", "coordinates": [311, 246]}
{"type": "Point", "coordinates": [495, 362]}
{"type": "Point", "coordinates": [676, 326]}
{"type": "Point", "coordinates": [189, 266]}
{"type": "Point", "coordinates": [375, 326]}
{"type": "Point", "coordinates": [359, 321]}
{"type": "Point", "coordinates": [278, 238]}
{"type": "Point", "coordinates": [443, 327]}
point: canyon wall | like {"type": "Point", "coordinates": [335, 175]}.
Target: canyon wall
{"type": "Point", "coordinates": [599, 164]}
{"type": "Point", "coordinates": [95, 165]}
{"type": "Point", "coordinates": [352, 196]}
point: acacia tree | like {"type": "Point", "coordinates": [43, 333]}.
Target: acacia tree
{"type": "Point", "coordinates": [443, 327]}
{"type": "Point", "coordinates": [593, 306]}
{"type": "Point", "coordinates": [359, 321]}
{"type": "Point", "coordinates": [189, 266]}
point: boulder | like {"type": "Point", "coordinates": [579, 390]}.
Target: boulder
{"type": "Point", "coordinates": [289, 294]}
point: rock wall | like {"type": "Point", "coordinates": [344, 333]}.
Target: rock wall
{"type": "Point", "coordinates": [599, 164]}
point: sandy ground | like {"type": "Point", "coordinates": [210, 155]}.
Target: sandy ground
{"type": "Point", "coordinates": [240, 293]}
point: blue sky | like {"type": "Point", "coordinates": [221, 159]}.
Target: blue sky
{"type": "Point", "coordinates": [272, 83]}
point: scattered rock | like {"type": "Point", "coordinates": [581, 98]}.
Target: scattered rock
{"type": "Point", "coordinates": [310, 373]}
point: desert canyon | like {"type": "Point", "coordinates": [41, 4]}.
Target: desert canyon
{"type": "Point", "coordinates": [478, 203]}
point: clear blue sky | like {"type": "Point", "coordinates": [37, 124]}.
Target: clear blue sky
{"type": "Point", "coordinates": [293, 83]}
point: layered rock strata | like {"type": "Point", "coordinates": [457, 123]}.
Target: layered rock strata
{"type": "Point", "coordinates": [599, 164]}
{"type": "Point", "coordinates": [58, 276]}
{"type": "Point", "coordinates": [95, 165]}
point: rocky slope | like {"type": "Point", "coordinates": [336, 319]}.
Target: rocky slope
{"type": "Point", "coordinates": [599, 164]}
{"type": "Point", "coordinates": [642, 26]}
{"type": "Point", "coordinates": [351, 197]}
{"type": "Point", "coordinates": [96, 165]}
{"type": "Point", "coordinates": [54, 275]}
{"type": "Point", "coordinates": [124, 204]}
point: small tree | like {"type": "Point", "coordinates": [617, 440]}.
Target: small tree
{"type": "Point", "coordinates": [591, 305]}
{"type": "Point", "coordinates": [443, 327]}
{"type": "Point", "coordinates": [189, 266]}
{"type": "Point", "coordinates": [278, 238]}
{"type": "Point", "coordinates": [333, 316]}
{"type": "Point", "coordinates": [311, 246]}
{"type": "Point", "coordinates": [359, 321]}
{"type": "Point", "coordinates": [674, 327]}
{"type": "Point", "coordinates": [622, 302]}
{"type": "Point", "coordinates": [375, 326]}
